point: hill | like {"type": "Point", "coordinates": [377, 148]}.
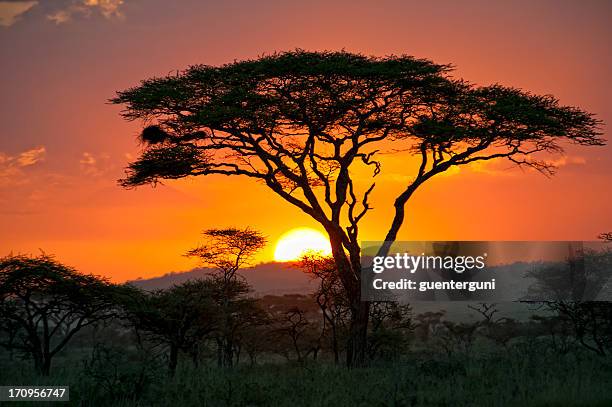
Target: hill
{"type": "Point", "coordinates": [265, 278]}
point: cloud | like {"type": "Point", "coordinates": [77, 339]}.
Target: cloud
{"type": "Point", "coordinates": [96, 165]}
{"type": "Point", "coordinates": [504, 168]}
{"type": "Point", "coordinates": [31, 157]}
{"type": "Point", "coordinates": [565, 160]}
{"type": "Point", "coordinates": [86, 8]}
{"type": "Point", "coordinates": [23, 159]}
{"type": "Point", "coordinates": [11, 166]}
{"type": "Point", "coordinates": [59, 17]}
{"type": "Point", "coordinates": [11, 11]}
{"type": "Point", "coordinates": [87, 159]}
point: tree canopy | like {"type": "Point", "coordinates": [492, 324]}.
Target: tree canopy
{"type": "Point", "coordinates": [298, 121]}
{"type": "Point", "coordinates": [178, 317]}
{"type": "Point", "coordinates": [45, 303]}
{"type": "Point", "coordinates": [227, 250]}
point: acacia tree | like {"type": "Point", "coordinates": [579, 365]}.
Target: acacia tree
{"type": "Point", "coordinates": [226, 251]}
{"type": "Point", "coordinates": [606, 236]}
{"type": "Point", "coordinates": [303, 122]}
{"type": "Point", "coordinates": [571, 290]}
{"type": "Point", "coordinates": [44, 303]}
{"type": "Point", "coordinates": [177, 318]}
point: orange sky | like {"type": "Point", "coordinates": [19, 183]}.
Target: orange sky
{"type": "Point", "coordinates": [62, 147]}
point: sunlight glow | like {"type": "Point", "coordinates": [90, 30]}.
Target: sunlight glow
{"type": "Point", "coordinates": [297, 242]}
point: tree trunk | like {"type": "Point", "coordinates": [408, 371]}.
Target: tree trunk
{"type": "Point", "coordinates": [42, 362]}
{"type": "Point", "coordinates": [219, 352]}
{"type": "Point", "coordinates": [46, 365]}
{"type": "Point", "coordinates": [335, 346]}
{"type": "Point", "coordinates": [38, 362]}
{"type": "Point", "coordinates": [358, 335]}
{"type": "Point", "coordinates": [195, 358]}
{"type": "Point", "coordinates": [297, 348]}
{"type": "Point", "coordinates": [173, 361]}
{"type": "Point", "coordinates": [349, 271]}
{"type": "Point", "coordinates": [228, 354]}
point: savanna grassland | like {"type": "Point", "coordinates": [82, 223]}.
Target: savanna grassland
{"type": "Point", "coordinates": [527, 375]}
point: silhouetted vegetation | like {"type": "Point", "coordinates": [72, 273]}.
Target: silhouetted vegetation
{"type": "Point", "coordinates": [303, 122]}
{"type": "Point", "coordinates": [43, 304]}
{"type": "Point", "coordinates": [126, 346]}
{"type": "Point", "coordinates": [226, 251]}
{"type": "Point", "coordinates": [177, 318]}
{"type": "Point", "coordinates": [583, 318]}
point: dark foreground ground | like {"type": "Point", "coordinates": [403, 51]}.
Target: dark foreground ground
{"type": "Point", "coordinates": [529, 377]}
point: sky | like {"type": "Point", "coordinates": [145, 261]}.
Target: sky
{"type": "Point", "coordinates": [62, 146]}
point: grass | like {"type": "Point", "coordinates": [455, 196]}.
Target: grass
{"type": "Point", "coordinates": [540, 379]}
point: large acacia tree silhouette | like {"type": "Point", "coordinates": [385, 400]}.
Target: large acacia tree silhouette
{"type": "Point", "coordinates": [302, 122]}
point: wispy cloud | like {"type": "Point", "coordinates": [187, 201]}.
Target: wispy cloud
{"type": "Point", "coordinates": [567, 160]}
{"type": "Point", "coordinates": [31, 157]}
{"type": "Point", "coordinates": [87, 159]}
{"type": "Point", "coordinates": [86, 8]}
{"type": "Point", "coordinates": [96, 164]}
{"type": "Point", "coordinates": [23, 159]}
{"type": "Point", "coordinates": [11, 166]}
{"type": "Point", "coordinates": [59, 11]}
{"type": "Point", "coordinates": [12, 11]}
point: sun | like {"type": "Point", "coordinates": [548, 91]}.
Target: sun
{"type": "Point", "coordinates": [297, 242]}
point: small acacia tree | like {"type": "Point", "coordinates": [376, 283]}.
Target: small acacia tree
{"type": "Point", "coordinates": [177, 318]}
{"type": "Point", "coordinates": [302, 122]}
{"type": "Point", "coordinates": [226, 251]}
{"type": "Point", "coordinates": [572, 293]}
{"type": "Point", "coordinates": [44, 303]}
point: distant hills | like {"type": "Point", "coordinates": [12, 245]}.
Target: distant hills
{"type": "Point", "coordinates": [280, 279]}
{"type": "Point", "coordinates": [265, 278]}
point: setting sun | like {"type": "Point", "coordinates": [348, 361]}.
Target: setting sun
{"type": "Point", "coordinates": [297, 242]}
